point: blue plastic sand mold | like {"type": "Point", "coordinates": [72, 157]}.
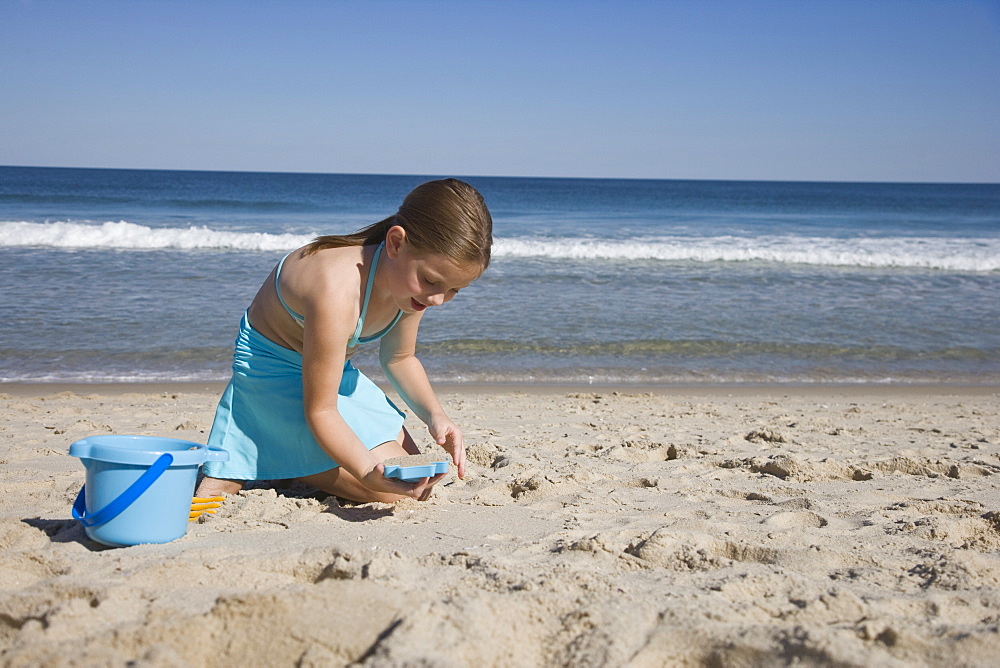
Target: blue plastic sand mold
{"type": "Point", "coordinates": [413, 473]}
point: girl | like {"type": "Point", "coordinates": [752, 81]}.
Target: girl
{"type": "Point", "coordinates": [296, 407]}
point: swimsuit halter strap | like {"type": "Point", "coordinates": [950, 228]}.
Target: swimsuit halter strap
{"type": "Point", "coordinates": [277, 288]}
{"type": "Point", "coordinates": [356, 339]}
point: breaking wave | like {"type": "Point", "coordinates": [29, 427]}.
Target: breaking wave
{"type": "Point", "coordinates": [949, 254]}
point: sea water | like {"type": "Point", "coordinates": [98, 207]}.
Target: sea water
{"type": "Point", "coordinates": [125, 275]}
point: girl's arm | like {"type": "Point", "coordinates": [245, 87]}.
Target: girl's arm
{"type": "Point", "coordinates": [323, 355]}
{"type": "Point", "coordinates": [397, 355]}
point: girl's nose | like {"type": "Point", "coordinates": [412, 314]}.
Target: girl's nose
{"type": "Point", "coordinates": [435, 300]}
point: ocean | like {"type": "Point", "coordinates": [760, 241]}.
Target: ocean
{"type": "Point", "coordinates": [136, 275]}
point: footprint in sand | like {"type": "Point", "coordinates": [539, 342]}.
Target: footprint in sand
{"type": "Point", "coordinates": [929, 468]}
{"type": "Point", "coordinates": [785, 467]}
{"type": "Point", "coordinates": [539, 486]}
{"type": "Point", "coordinates": [486, 455]}
{"type": "Point", "coordinates": [678, 551]}
{"type": "Point", "coordinates": [745, 496]}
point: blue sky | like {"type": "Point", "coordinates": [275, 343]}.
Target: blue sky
{"type": "Point", "coordinates": [841, 90]}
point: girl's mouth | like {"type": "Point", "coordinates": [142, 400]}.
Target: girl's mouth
{"type": "Point", "coordinates": [417, 306]}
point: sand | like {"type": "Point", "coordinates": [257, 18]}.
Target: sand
{"type": "Point", "coordinates": [432, 456]}
{"type": "Point", "coordinates": [699, 526]}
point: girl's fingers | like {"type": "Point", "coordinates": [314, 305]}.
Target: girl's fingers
{"type": "Point", "coordinates": [429, 486]}
{"type": "Point", "coordinates": [459, 457]}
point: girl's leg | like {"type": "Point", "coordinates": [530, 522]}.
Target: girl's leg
{"type": "Point", "coordinates": [341, 483]}
{"type": "Point", "coordinates": [408, 445]}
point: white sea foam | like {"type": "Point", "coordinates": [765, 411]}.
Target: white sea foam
{"type": "Point", "coordinates": [978, 255]}
{"type": "Point", "coordinates": [970, 254]}
{"type": "Point", "coordinates": [125, 235]}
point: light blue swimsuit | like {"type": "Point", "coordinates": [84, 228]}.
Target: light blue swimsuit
{"type": "Point", "coordinates": [261, 420]}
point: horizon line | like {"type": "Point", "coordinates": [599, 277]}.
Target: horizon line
{"type": "Point", "coordinates": [507, 176]}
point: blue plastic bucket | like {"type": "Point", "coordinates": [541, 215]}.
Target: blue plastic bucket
{"type": "Point", "coordinates": [138, 488]}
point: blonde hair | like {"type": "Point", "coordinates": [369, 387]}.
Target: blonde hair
{"type": "Point", "coordinates": [447, 217]}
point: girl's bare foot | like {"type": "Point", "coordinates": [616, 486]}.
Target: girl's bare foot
{"type": "Point", "coordinates": [217, 487]}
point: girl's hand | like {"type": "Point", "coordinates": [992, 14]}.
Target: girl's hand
{"type": "Point", "coordinates": [419, 490]}
{"type": "Point", "coordinates": [447, 434]}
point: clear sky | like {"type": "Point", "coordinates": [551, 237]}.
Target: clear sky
{"type": "Point", "coordinates": [842, 90]}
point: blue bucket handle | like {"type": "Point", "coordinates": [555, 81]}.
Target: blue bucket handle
{"type": "Point", "coordinates": [125, 499]}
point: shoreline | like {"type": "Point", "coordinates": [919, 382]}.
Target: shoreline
{"type": "Point", "coordinates": [27, 389]}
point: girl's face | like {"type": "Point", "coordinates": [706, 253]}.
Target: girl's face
{"type": "Point", "coordinates": [421, 280]}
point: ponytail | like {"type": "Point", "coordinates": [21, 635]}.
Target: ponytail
{"type": "Point", "coordinates": [447, 217]}
{"type": "Point", "coordinates": [367, 236]}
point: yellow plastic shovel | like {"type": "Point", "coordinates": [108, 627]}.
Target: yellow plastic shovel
{"type": "Point", "coordinates": [208, 504]}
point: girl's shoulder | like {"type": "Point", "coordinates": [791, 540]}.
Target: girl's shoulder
{"type": "Point", "coordinates": [347, 259]}
{"type": "Point", "coordinates": [324, 273]}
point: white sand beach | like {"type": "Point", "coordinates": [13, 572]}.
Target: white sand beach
{"type": "Point", "coordinates": [687, 527]}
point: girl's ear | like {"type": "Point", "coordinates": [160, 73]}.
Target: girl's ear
{"type": "Point", "coordinates": [395, 238]}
